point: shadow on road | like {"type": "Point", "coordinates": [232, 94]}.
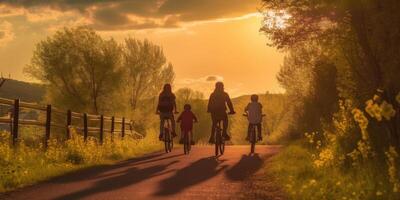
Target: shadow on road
{"type": "Point", "coordinates": [247, 166]}
{"type": "Point", "coordinates": [99, 171]}
{"type": "Point", "coordinates": [195, 173]}
{"type": "Point", "coordinates": [126, 178]}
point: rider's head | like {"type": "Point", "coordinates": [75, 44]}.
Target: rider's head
{"type": "Point", "coordinates": [254, 98]}
{"type": "Point", "coordinates": [219, 86]}
{"type": "Point", "coordinates": [167, 88]}
{"type": "Point", "coordinates": [187, 107]}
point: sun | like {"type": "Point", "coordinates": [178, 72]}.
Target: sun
{"type": "Point", "coordinates": [275, 19]}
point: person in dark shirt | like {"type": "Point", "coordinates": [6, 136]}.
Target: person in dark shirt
{"type": "Point", "coordinates": [166, 108]}
{"type": "Point", "coordinates": [187, 118]}
{"type": "Point", "coordinates": [217, 103]}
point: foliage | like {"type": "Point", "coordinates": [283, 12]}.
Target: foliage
{"type": "Point", "coordinates": [80, 68]}
{"type": "Point", "coordinates": [26, 165]}
{"type": "Point", "coordinates": [146, 69]}
{"type": "Point", "coordinates": [297, 173]}
{"type": "Point", "coordinates": [346, 52]}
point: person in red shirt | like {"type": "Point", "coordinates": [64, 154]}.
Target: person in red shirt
{"type": "Point", "coordinates": [187, 118]}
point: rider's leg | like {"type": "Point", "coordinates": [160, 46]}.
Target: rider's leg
{"type": "Point", "coordinates": [162, 120]}
{"type": "Point", "coordinates": [248, 132]}
{"type": "Point", "coordinates": [258, 126]}
{"type": "Point", "coordinates": [225, 127]}
{"type": "Point", "coordinates": [173, 124]}
{"type": "Point", "coordinates": [183, 132]}
{"type": "Point", "coordinates": [191, 137]}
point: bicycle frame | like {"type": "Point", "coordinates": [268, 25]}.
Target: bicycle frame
{"type": "Point", "coordinates": [187, 142]}
{"type": "Point", "coordinates": [168, 140]}
{"type": "Point", "coordinates": [219, 140]}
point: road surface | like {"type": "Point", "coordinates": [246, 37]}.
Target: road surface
{"type": "Point", "coordinates": [160, 176]}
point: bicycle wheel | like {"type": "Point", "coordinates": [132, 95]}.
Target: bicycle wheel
{"type": "Point", "coordinates": [166, 140]}
{"type": "Point", "coordinates": [185, 145]}
{"type": "Point", "coordinates": [252, 139]}
{"type": "Point", "coordinates": [222, 146]}
{"type": "Point", "coordinates": [217, 141]}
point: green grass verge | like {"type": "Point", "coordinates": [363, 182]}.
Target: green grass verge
{"type": "Point", "coordinates": [294, 170]}
{"type": "Point", "coordinates": [27, 165]}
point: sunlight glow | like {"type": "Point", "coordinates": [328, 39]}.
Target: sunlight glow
{"type": "Point", "coordinates": [275, 19]}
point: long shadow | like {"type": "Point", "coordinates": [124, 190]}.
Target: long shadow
{"type": "Point", "coordinates": [247, 166]}
{"type": "Point", "coordinates": [129, 177]}
{"type": "Point", "coordinates": [97, 171]}
{"type": "Point", "coordinates": [195, 173]}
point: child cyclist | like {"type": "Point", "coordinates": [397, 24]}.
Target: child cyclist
{"type": "Point", "coordinates": [254, 115]}
{"type": "Point", "coordinates": [186, 119]}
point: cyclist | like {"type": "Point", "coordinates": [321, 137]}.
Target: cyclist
{"type": "Point", "coordinates": [254, 114]}
{"type": "Point", "coordinates": [186, 119]}
{"type": "Point", "coordinates": [217, 108]}
{"type": "Point", "coordinates": [166, 108]}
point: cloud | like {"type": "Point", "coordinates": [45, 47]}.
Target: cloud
{"type": "Point", "coordinates": [213, 78]}
{"type": "Point", "coordinates": [203, 84]}
{"type": "Point", "coordinates": [138, 14]}
{"type": "Point", "coordinates": [6, 33]}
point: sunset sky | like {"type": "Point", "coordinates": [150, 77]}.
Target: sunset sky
{"type": "Point", "coordinates": [203, 39]}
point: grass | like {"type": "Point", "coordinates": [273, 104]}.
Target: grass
{"type": "Point", "coordinates": [300, 179]}
{"type": "Point", "coordinates": [28, 165]}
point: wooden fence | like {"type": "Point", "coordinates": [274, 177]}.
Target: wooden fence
{"type": "Point", "coordinates": [14, 121]}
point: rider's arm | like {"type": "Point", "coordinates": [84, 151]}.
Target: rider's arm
{"type": "Point", "coordinates": [174, 104]}
{"type": "Point", "coordinates": [158, 106]}
{"type": "Point", "coordinates": [179, 118]}
{"type": "Point", "coordinates": [194, 118]}
{"type": "Point", "coordinates": [210, 101]}
{"type": "Point", "coordinates": [246, 109]}
{"type": "Point", "coordinates": [229, 103]}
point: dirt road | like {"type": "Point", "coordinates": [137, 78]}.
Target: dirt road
{"type": "Point", "coordinates": [159, 176]}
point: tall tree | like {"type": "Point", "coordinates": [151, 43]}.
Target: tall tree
{"type": "Point", "coordinates": [81, 70]}
{"type": "Point", "coordinates": [146, 68]}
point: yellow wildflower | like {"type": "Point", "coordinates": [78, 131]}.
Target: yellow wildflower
{"type": "Point", "coordinates": [387, 110]}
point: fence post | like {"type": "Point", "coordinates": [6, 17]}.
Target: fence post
{"type": "Point", "coordinates": [48, 125]}
{"type": "Point", "coordinates": [15, 122]}
{"type": "Point", "coordinates": [101, 128]}
{"type": "Point", "coordinates": [123, 128]}
{"type": "Point", "coordinates": [69, 122]}
{"type": "Point", "coordinates": [85, 127]}
{"type": "Point", "coordinates": [112, 127]}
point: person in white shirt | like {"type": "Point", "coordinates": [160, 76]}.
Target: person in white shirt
{"type": "Point", "coordinates": [254, 115]}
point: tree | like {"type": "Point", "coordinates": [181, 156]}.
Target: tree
{"type": "Point", "coordinates": [146, 69]}
{"type": "Point", "coordinates": [82, 70]}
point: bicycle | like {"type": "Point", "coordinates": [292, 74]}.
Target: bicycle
{"type": "Point", "coordinates": [252, 135]}
{"type": "Point", "coordinates": [187, 143]}
{"type": "Point", "coordinates": [167, 133]}
{"type": "Point", "coordinates": [219, 140]}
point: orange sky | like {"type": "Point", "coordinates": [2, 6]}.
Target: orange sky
{"type": "Point", "coordinates": [227, 45]}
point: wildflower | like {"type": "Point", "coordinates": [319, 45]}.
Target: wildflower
{"type": "Point", "coordinates": [379, 193]}
{"type": "Point", "coordinates": [387, 110]}
{"type": "Point", "coordinates": [392, 156]}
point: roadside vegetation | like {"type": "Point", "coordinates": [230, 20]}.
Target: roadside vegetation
{"type": "Point", "coordinates": [341, 80]}
{"type": "Point", "coordinates": [29, 163]}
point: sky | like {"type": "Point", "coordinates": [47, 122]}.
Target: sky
{"type": "Point", "coordinates": [205, 40]}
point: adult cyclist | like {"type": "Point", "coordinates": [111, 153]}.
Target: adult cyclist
{"type": "Point", "coordinates": [166, 108]}
{"type": "Point", "coordinates": [217, 103]}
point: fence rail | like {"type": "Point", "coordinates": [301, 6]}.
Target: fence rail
{"type": "Point", "coordinates": [14, 121]}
